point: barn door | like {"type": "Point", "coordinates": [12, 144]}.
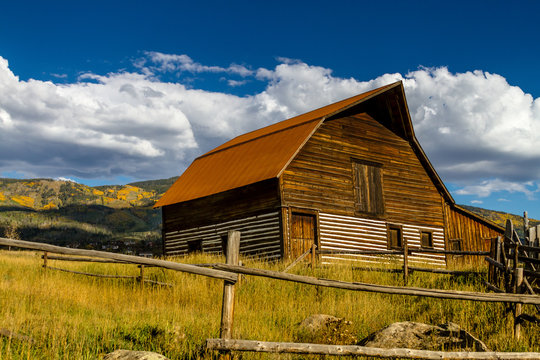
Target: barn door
{"type": "Point", "coordinates": [303, 233]}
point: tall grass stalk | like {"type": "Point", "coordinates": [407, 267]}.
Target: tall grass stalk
{"type": "Point", "coordinates": [71, 316]}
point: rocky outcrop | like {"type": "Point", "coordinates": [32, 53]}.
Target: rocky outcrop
{"type": "Point", "coordinates": [133, 355]}
{"type": "Point", "coordinates": [413, 335]}
{"type": "Point", "coordinates": [325, 329]}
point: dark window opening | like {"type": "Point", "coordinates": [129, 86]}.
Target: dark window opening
{"type": "Point", "coordinates": [455, 245]}
{"type": "Point", "coordinates": [395, 237]}
{"type": "Point", "coordinates": [194, 246]}
{"type": "Point", "coordinates": [426, 239]}
{"type": "Point", "coordinates": [368, 189]}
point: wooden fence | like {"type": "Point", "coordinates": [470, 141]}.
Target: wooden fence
{"type": "Point", "coordinates": [514, 268]}
{"type": "Point", "coordinates": [404, 253]}
{"type": "Point", "coordinates": [229, 273]}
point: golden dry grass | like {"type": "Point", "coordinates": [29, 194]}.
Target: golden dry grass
{"type": "Point", "coordinates": [77, 317]}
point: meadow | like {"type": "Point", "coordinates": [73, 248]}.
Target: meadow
{"type": "Point", "coordinates": [71, 316]}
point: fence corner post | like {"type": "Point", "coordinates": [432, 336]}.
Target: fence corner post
{"type": "Point", "coordinates": [518, 276]}
{"type": "Point", "coordinates": [227, 309]}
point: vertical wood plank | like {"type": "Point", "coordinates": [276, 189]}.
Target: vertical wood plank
{"type": "Point", "coordinates": [227, 310]}
{"type": "Point", "coordinates": [45, 254]}
{"type": "Point", "coordinates": [141, 275]}
{"type": "Point", "coordinates": [517, 307]}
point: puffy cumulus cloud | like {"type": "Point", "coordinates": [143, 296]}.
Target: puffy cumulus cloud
{"type": "Point", "coordinates": [116, 124]}
{"type": "Point", "coordinates": [486, 187]}
{"type": "Point", "coordinates": [475, 126]}
{"type": "Point", "coordinates": [480, 132]}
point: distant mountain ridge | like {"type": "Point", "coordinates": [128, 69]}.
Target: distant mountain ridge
{"type": "Point", "coordinates": [47, 194]}
{"type": "Point", "coordinates": [113, 218]}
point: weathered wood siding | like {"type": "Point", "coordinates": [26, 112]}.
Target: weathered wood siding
{"type": "Point", "coordinates": [321, 177]}
{"type": "Point", "coordinates": [260, 236]}
{"type": "Point", "coordinates": [352, 233]}
{"type": "Point", "coordinates": [474, 234]}
{"type": "Point", "coordinates": [181, 221]}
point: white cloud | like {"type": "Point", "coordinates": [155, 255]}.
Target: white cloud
{"type": "Point", "coordinates": [480, 132]}
{"type": "Point", "coordinates": [65, 179]}
{"type": "Point", "coordinates": [486, 187]}
{"type": "Point", "coordinates": [477, 202]}
{"type": "Point", "coordinates": [158, 62]}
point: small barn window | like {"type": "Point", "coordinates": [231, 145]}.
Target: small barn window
{"type": "Point", "coordinates": [368, 194]}
{"type": "Point", "coordinates": [455, 244]}
{"type": "Point", "coordinates": [426, 239]}
{"type": "Point", "coordinates": [194, 246]}
{"type": "Point", "coordinates": [395, 237]}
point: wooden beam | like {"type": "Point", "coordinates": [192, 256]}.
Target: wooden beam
{"type": "Point", "coordinates": [81, 259]}
{"type": "Point", "coordinates": [192, 269]}
{"type": "Point", "coordinates": [353, 350]}
{"type": "Point", "coordinates": [298, 259]}
{"type": "Point", "coordinates": [411, 291]}
{"type": "Point", "coordinates": [227, 310]}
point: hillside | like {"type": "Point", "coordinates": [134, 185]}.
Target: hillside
{"type": "Point", "coordinates": [118, 217]}
{"type": "Point", "coordinates": [500, 217]}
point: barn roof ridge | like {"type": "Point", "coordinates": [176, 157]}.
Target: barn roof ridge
{"type": "Point", "coordinates": [320, 113]}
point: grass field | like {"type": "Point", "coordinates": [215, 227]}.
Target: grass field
{"type": "Point", "coordinates": [77, 317]}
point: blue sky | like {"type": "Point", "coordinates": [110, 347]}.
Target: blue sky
{"type": "Point", "coordinates": [110, 92]}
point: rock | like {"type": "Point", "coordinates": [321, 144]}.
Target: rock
{"type": "Point", "coordinates": [133, 355]}
{"type": "Point", "coordinates": [325, 329]}
{"type": "Point", "coordinates": [413, 335]}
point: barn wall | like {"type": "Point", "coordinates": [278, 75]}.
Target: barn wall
{"type": "Point", "coordinates": [212, 212]}
{"type": "Point", "coordinates": [474, 235]}
{"type": "Point", "coordinates": [351, 233]}
{"type": "Point", "coordinates": [260, 236]}
{"type": "Point", "coordinates": [320, 177]}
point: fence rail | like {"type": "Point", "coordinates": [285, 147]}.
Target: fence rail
{"type": "Point", "coordinates": [192, 269]}
{"type": "Point", "coordinates": [353, 350]}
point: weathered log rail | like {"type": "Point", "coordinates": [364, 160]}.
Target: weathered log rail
{"type": "Point", "coordinates": [406, 269]}
{"type": "Point", "coordinates": [385, 289]}
{"type": "Point", "coordinates": [353, 350]}
{"type": "Point", "coordinates": [192, 269]}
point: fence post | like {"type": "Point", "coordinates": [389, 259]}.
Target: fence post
{"type": "Point", "coordinates": [45, 260]}
{"type": "Point", "coordinates": [227, 309]}
{"type": "Point", "coordinates": [405, 263]}
{"type": "Point", "coordinates": [141, 275]}
{"type": "Point", "coordinates": [526, 226]}
{"type": "Point", "coordinates": [518, 275]}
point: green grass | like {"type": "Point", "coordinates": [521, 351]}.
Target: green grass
{"type": "Point", "coordinates": [77, 317]}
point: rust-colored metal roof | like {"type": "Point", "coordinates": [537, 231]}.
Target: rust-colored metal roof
{"type": "Point", "coordinates": [255, 156]}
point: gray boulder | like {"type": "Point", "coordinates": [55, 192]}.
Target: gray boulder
{"type": "Point", "coordinates": [325, 329]}
{"type": "Point", "coordinates": [413, 335]}
{"type": "Point", "coordinates": [133, 355]}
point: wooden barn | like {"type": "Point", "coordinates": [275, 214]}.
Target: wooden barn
{"type": "Point", "coordinates": [347, 176]}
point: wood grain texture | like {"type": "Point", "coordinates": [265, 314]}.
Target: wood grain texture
{"type": "Point", "coordinates": [354, 350]}
{"type": "Point", "coordinates": [322, 175]}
